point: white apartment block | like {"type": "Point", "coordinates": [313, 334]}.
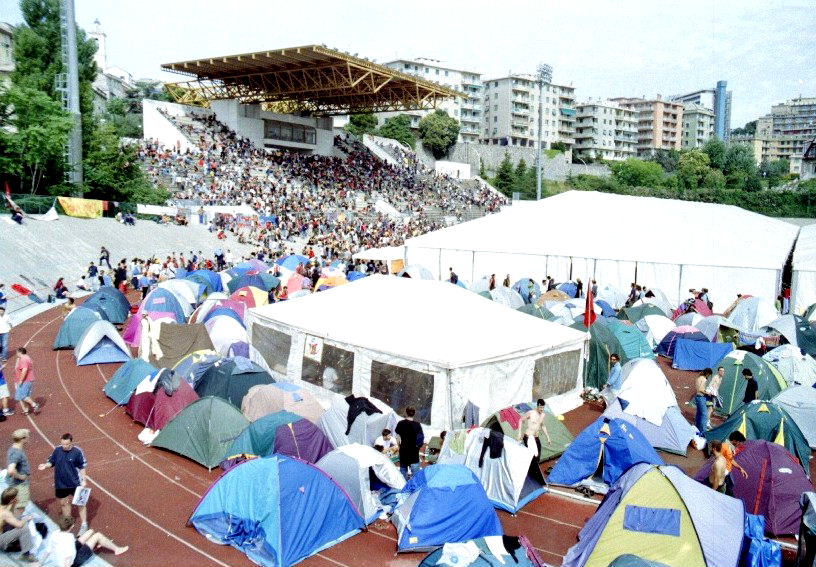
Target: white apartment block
{"type": "Point", "coordinates": [511, 112]}
{"type": "Point", "coordinates": [785, 133]}
{"type": "Point", "coordinates": [605, 130]}
{"type": "Point", "coordinates": [698, 125]}
{"type": "Point", "coordinates": [467, 110]}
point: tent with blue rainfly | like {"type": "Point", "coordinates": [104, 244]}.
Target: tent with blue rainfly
{"type": "Point", "coordinates": [164, 300]}
{"type": "Point", "coordinates": [277, 510]}
{"type": "Point", "coordinates": [285, 433]}
{"type": "Point", "coordinates": [492, 551]}
{"type": "Point", "coordinates": [186, 291]}
{"type": "Point", "coordinates": [209, 279]}
{"type": "Point", "coordinates": [667, 346]}
{"type": "Point", "coordinates": [570, 288]}
{"type": "Point", "coordinates": [108, 306]}
{"type": "Point", "coordinates": [672, 435]}
{"type": "Point", "coordinates": [75, 326]}
{"type": "Point", "coordinates": [114, 295]}
{"type": "Point", "coordinates": [193, 366]}
{"type": "Point", "coordinates": [292, 261]}
{"type": "Point", "coordinates": [697, 355]}
{"type": "Point", "coordinates": [443, 504]}
{"type": "Point", "coordinates": [101, 344]}
{"type": "Point", "coordinates": [528, 289]}
{"type": "Point", "coordinates": [601, 454]}
{"type": "Point", "coordinates": [226, 312]}
{"type": "Point", "coordinates": [662, 516]}
{"type": "Point", "coordinates": [125, 380]}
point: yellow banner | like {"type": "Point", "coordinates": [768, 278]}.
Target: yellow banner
{"type": "Point", "coordinates": [85, 208]}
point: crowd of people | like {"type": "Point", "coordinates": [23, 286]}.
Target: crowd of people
{"type": "Point", "coordinates": [326, 201]}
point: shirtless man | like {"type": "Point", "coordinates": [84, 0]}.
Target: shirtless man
{"type": "Point", "coordinates": [716, 479]}
{"type": "Point", "coordinates": [532, 424]}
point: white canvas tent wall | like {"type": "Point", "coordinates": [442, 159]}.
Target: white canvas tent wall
{"type": "Point", "coordinates": [402, 339]}
{"type": "Point", "coordinates": [365, 428]}
{"type": "Point", "coordinates": [803, 285]}
{"type": "Point", "coordinates": [613, 238]}
{"type": "Point", "coordinates": [348, 466]}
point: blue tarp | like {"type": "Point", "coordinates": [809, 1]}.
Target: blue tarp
{"type": "Point", "coordinates": [650, 520]}
{"type": "Point", "coordinates": [277, 510]}
{"type": "Point", "coordinates": [697, 355]}
{"type": "Point", "coordinates": [619, 444]}
{"type": "Point", "coordinates": [206, 277]}
{"type": "Point", "coordinates": [446, 504]}
{"type": "Point", "coordinates": [569, 288]}
{"type": "Point", "coordinates": [669, 342]}
{"type": "Point", "coordinates": [122, 384]}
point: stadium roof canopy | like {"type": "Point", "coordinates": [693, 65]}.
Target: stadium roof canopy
{"type": "Point", "coordinates": [312, 79]}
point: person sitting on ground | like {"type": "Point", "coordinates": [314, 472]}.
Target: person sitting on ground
{"type": "Point", "coordinates": [64, 550]}
{"type": "Point", "coordinates": [14, 529]}
{"type": "Point", "coordinates": [388, 443]}
{"type": "Point", "coordinates": [69, 306]}
{"type": "Point", "coordinates": [60, 289]}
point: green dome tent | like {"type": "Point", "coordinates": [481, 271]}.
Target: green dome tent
{"type": "Point", "coordinates": [203, 431]}
{"type": "Point", "coordinates": [75, 326]}
{"type": "Point", "coordinates": [732, 387]}
{"type": "Point", "coordinates": [769, 422]}
{"type": "Point", "coordinates": [560, 437]}
{"type": "Point", "coordinates": [635, 314]}
{"type": "Point", "coordinates": [607, 336]}
{"type": "Point", "coordinates": [231, 379]}
{"type": "Point", "coordinates": [537, 311]}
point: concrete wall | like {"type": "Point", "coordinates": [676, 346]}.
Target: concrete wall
{"type": "Point", "coordinates": [159, 128]}
{"type": "Point", "coordinates": [454, 169]}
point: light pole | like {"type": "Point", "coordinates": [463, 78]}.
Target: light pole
{"type": "Point", "coordinates": [544, 73]}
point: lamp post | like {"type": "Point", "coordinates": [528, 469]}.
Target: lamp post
{"type": "Point", "coordinates": [544, 73]}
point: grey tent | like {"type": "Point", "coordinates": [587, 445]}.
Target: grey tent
{"type": "Point", "coordinates": [673, 435]}
{"type": "Point", "coordinates": [75, 326]}
{"type": "Point", "coordinates": [800, 403]}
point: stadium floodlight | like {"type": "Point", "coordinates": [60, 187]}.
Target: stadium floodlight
{"type": "Point", "coordinates": [544, 75]}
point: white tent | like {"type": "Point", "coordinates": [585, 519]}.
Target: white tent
{"type": "Point", "coordinates": [385, 254]}
{"type": "Point", "coordinates": [511, 479]}
{"type": "Point", "coordinates": [800, 403]}
{"type": "Point", "coordinates": [753, 313]}
{"type": "Point", "coordinates": [429, 344]}
{"type": "Point", "coordinates": [803, 285]}
{"type": "Point", "coordinates": [796, 366]}
{"type": "Point", "coordinates": [364, 429]}
{"type": "Point", "coordinates": [646, 390]}
{"type": "Point", "coordinates": [655, 327]}
{"type": "Point", "coordinates": [99, 344]}
{"type": "Point", "coordinates": [348, 466]}
{"type": "Point", "coordinates": [186, 291]}
{"type": "Point", "coordinates": [724, 248]}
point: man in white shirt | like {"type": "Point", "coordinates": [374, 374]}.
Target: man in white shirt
{"type": "Point", "coordinates": [389, 444]}
{"type": "Point", "coordinates": [5, 332]}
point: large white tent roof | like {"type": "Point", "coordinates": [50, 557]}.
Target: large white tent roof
{"type": "Point", "coordinates": [428, 321]}
{"type": "Point", "coordinates": [588, 224]}
{"type": "Point", "coordinates": [804, 256]}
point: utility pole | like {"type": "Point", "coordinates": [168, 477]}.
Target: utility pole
{"type": "Point", "coordinates": [544, 73]}
{"type": "Point", "coordinates": [68, 86]}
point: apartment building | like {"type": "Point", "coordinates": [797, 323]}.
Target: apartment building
{"type": "Point", "coordinates": [6, 53]}
{"type": "Point", "coordinates": [467, 110]}
{"type": "Point", "coordinates": [785, 133]}
{"type": "Point", "coordinates": [511, 107]}
{"type": "Point", "coordinates": [659, 123]}
{"type": "Point", "coordinates": [698, 125]}
{"type": "Point", "coordinates": [605, 130]}
{"type": "Point", "coordinates": [718, 101]}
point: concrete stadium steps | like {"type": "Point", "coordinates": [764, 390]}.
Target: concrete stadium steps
{"type": "Point", "coordinates": [43, 251]}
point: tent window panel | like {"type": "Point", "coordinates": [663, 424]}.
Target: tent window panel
{"type": "Point", "coordinates": [273, 345]}
{"type": "Point", "coordinates": [663, 521]}
{"type": "Point", "coordinates": [399, 387]}
{"type": "Point", "coordinates": [555, 374]}
{"type": "Point", "coordinates": [334, 371]}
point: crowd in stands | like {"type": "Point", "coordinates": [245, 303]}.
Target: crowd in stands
{"type": "Point", "coordinates": [312, 197]}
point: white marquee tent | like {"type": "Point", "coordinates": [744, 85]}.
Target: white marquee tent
{"type": "Point", "coordinates": [424, 343]}
{"type": "Point", "coordinates": [666, 244]}
{"type": "Point", "coordinates": [803, 286]}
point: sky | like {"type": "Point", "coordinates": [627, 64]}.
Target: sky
{"type": "Point", "coordinates": [603, 48]}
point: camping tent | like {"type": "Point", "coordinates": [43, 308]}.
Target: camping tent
{"type": "Point", "coordinates": [698, 354]}
{"type": "Point", "coordinates": [186, 291]}
{"type": "Point", "coordinates": [224, 331]}
{"type": "Point", "coordinates": [167, 405]}
{"type": "Point", "coordinates": [803, 286]}
{"type": "Point", "coordinates": [655, 327]}
{"type": "Point", "coordinates": [613, 336]}
{"type": "Point", "coordinates": [101, 344]}
{"type": "Point", "coordinates": [250, 296]}
{"type": "Point", "coordinates": [508, 470]}
{"type": "Point", "coordinates": [508, 421]}
{"type": "Point", "coordinates": [74, 327]}
{"type": "Point", "coordinates": [636, 313]}
{"type": "Point", "coordinates": [768, 421]}
{"type": "Point", "coordinates": [645, 389]}
{"type": "Point", "coordinates": [108, 305]}
{"type": "Point", "coordinates": [364, 428]}
{"type": "Point", "coordinates": [277, 510]}
{"type": "Point", "coordinates": [193, 366]}
{"type": "Point", "coordinates": [142, 320]}
{"type": "Point", "coordinates": [601, 454]}
{"type": "Point", "coordinates": [673, 434]}
{"type": "Point", "coordinates": [124, 381]}
{"type": "Point", "coordinates": [231, 379]}
{"type": "Point", "coordinates": [667, 345]}
{"type": "Point", "coordinates": [114, 295]}
{"type": "Point", "coordinates": [168, 343]}
{"type": "Point", "coordinates": [800, 403]}
{"type": "Point", "coordinates": [662, 516]}
{"type": "Point", "coordinates": [797, 331]}
{"type": "Point", "coordinates": [717, 328]}
{"type": "Point", "coordinates": [285, 433]}
{"type": "Point", "coordinates": [264, 399]}
{"type": "Point", "coordinates": [507, 297]}
{"type": "Point", "coordinates": [203, 431]}
{"type": "Point", "coordinates": [443, 504]}
{"type": "Point", "coordinates": [165, 301]}
{"type": "Point", "coordinates": [753, 313]}
{"type": "Point", "coordinates": [612, 295]}
{"type": "Point", "coordinates": [210, 279]}
{"type": "Point", "coordinates": [794, 365]}
{"type": "Point", "coordinates": [224, 311]}
{"type": "Point", "coordinates": [732, 387]}
{"type": "Point", "coordinates": [492, 551]}
{"type": "Point", "coordinates": [310, 343]}
{"type": "Point", "coordinates": [209, 304]}
{"type": "Point", "coordinates": [774, 485]}
{"type": "Point", "coordinates": [537, 311]}
{"type": "Point", "coordinates": [529, 238]}
{"type": "Point", "coordinates": [350, 466]}
{"type": "Point", "coordinates": [528, 290]}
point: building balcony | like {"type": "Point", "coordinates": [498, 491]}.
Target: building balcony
{"type": "Point", "coordinates": [519, 123]}
{"type": "Point", "coordinates": [566, 139]}
{"type": "Point", "coordinates": [628, 139]}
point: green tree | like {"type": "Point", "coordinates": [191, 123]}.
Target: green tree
{"type": "Point", "coordinates": [774, 172]}
{"type": "Point", "coordinates": [740, 168]}
{"type": "Point", "coordinates": [521, 169]}
{"type": "Point", "coordinates": [559, 146]}
{"type": "Point", "coordinates": [482, 169]}
{"type": "Point", "coordinates": [360, 124]}
{"type": "Point", "coordinates": [33, 132]}
{"type": "Point", "coordinates": [119, 113]}
{"type": "Point", "coordinates": [505, 176]}
{"type": "Point", "coordinates": [748, 129]}
{"type": "Point", "coordinates": [398, 128]}
{"type": "Point", "coordinates": [669, 160]}
{"type": "Point", "coordinates": [439, 132]}
{"type": "Point", "coordinates": [693, 169]}
{"type": "Point", "coordinates": [715, 150]}
{"type": "Point", "coordinates": [638, 173]}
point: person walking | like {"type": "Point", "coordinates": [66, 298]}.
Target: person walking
{"type": "Point", "coordinates": [701, 401]}
{"type": "Point", "coordinates": [411, 439]}
{"type": "Point", "coordinates": [69, 464]}
{"type": "Point", "coordinates": [104, 257]}
{"type": "Point", "coordinates": [713, 393]}
{"type": "Point", "coordinates": [4, 395]}
{"type": "Point", "coordinates": [18, 467]}
{"type": "Point", "coordinates": [751, 386]}
{"type": "Point", "coordinates": [24, 378]}
{"type": "Point", "coordinates": [5, 333]}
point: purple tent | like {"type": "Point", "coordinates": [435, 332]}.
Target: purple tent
{"type": "Point", "coordinates": [285, 433]}
{"type": "Point", "coordinates": [774, 485]}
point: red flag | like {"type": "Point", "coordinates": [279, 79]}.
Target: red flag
{"type": "Point", "coordinates": [589, 314]}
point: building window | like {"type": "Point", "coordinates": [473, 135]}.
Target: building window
{"type": "Point", "coordinates": [495, 119]}
{"type": "Point", "coordinates": [273, 345]}
{"type": "Point", "coordinates": [334, 370]}
{"type": "Point", "coordinates": [446, 73]}
{"type": "Point", "coordinates": [437, 71]}
{"type": "Point", "coordinates": [288, 132]}
{"type": "Point", "coordinates": [400, 387]}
